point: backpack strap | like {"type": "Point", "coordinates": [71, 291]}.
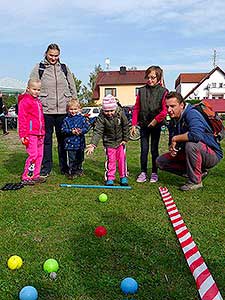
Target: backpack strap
{"type": "Point", "coordinates": [64, 69]}
{"type": "Point", "coordinates": [41, 69]}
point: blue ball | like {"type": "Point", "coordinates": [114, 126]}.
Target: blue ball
{"type": "Point", "coordinates": [28, 293]}
{"type": "Point", "coordinates": [129, 285]}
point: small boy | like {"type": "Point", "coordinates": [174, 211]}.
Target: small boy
{"type": "Point", "coordinates": [74, 128]}
{"type": "Point", "coordinates": [112, 126]}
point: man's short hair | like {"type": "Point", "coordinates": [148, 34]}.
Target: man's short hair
{"type": "Point", "coordinates": [176, 95]}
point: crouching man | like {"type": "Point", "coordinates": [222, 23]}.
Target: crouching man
{"type": "Point", "coordinates": [193, 149]}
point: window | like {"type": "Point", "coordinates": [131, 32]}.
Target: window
{"type": "Point", "coordinates": [213, 84]}
{"type": "Point", "coordinates": [111, 91]}
{"type": "Point", "coordinates": [136, 91]}
{"type": "Point", "coordinates": [220, 85]}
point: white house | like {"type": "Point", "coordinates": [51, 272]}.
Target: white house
{"type": "Point", "coordinates": [202, 85]}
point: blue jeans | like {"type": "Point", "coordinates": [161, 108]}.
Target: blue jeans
{"type": "Point", "coordinates": [76, 158]}
{"type": "Point", "coordinates": [51, 122]}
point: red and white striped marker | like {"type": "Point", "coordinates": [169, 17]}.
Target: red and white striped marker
{"type": "Point", "coordinates": [206, 285]}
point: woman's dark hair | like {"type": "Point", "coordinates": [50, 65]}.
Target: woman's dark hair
{"type": "Point", "coordinates": [52, 47]}
{"type": "Point", "coordinates": [176, 95]}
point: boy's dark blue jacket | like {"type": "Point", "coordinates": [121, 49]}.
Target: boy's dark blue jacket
{"type": "Point", "coordinates": [193, 122]}
{"type": "Point", "coordinates": [72, 141]}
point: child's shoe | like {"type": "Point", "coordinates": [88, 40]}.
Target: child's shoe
{"type": "Point", "coordinates": [109, 182]}
{"type": "Point", "coordinates": [142, 177]}
{"type": "Point", "coordinates": [40, 180]}
{"type": "Point", "coordinates": [154, 178]}
{"type": "Point", "coordinates": [124, 181]}
{"type": "Point", "coordinates": [27, 182]}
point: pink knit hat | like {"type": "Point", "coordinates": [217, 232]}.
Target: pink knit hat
{"type": "Point", "coordinates": [109, 103]}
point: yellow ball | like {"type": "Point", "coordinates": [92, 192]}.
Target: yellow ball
{"type": "Point", "coordinates": [15, 262]}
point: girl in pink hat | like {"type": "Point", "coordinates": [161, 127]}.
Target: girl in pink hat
{"type": "Point", "coordinates": [113, 128]}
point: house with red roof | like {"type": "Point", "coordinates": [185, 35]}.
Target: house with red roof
{"type": "Point", "coordinates": [204, 86]}
{"type": "Point", "coordinates": [122, 84]}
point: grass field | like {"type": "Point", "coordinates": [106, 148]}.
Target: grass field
{"type": "Point", "coordinates": [46, 221]}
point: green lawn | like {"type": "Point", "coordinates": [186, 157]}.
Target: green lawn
{"type": "Point", "coordinates": [46, 221]}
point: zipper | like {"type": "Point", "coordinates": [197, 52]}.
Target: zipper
{"type": "Point", "coordinates": [56, 89]}
{"type": "Point", "coordinates": [39, 116]}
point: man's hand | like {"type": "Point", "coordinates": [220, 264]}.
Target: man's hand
{"type": "Point", "coordinates": [90, 149]}
{"type": "Point", "coordinates": [172, 149]}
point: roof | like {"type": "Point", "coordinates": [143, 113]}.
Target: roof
{"type": "Point", "coordinates": [108, 78]}
{"type": "Point", "coordinates": [218, 105]}
{"type": "Point", "coordinates": [203, 79]}
{"type": "Point", "coordinates": [189, 78]}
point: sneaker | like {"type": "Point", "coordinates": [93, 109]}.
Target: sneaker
{"type": "Point", "coordinates": [154, 178]}
{"type": "Point", "coordinates": [44, 175]}
{"type": "Point", "coordinates": [109, 182]}
{"type": "Point", "coordinates": [124, 181]}
{"type": "Point", "coordinates": [142, 177]}
{"type": "Point", "coordinates": [40, 180]}
{"type": "Point", "coordinates": [70, 176]}
{"type": "Point", "coordinates": [27, 182]}
{"type": "Point", "coordinates": [191, 186]}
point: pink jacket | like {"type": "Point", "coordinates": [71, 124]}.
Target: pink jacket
{"type": "Point", "coordinates": [30, 116]}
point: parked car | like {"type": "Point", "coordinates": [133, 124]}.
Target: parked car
{"type": "Point", "coordinates": [90, 112]}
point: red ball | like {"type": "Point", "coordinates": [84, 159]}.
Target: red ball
{"type": "Point", "coordinates": [100, 231]}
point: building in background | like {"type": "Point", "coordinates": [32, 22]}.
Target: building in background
{"type": "Point", "coordinates": [123, 84]}
{"type": "Point", "coordinates": [11, 86]}
{"type": "Point", "coordinates": [200, 86]}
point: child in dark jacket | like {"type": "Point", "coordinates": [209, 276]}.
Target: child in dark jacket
{"type": "Point", "coordinates": [32, 131]}
{"type": "Point", "coordinates": [112, 126]}
{"type": "Point", "coordinates": [74, 128]}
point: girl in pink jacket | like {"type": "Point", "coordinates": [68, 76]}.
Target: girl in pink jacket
{"type": "Point", "coordinates": [32, 131]}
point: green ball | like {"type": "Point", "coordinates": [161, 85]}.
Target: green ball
{"type": "Point", "coordinates": [103, 197]}
{"type": "Point", "coordinates": [51, 265]}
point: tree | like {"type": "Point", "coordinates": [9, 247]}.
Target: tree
{"type": "Point", "coordinates": [92, 77]}
{"type": "Point", "coordinates": [85, 93]}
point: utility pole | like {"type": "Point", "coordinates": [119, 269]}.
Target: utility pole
{"type": "Point", "coordinates": [214, 58]}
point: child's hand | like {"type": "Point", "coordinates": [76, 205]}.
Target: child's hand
{"type": "Point", "coordinates": [90, 149]}
{"type": "Point", "coordinates": [153, 123]}
{"type": "Point", "coordinates": [25, 141]}
{"type": "Point", "coordinates": [123, 143]}
{"type": "Point", "coordinates": [133, 130]}
{"type": "Point", "coordinates": [76, 131]}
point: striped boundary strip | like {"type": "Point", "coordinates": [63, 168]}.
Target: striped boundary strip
{"type": "Point", "coordinates": [206, 285]}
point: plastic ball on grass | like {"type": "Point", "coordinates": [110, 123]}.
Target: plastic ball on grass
{"type": "Point", "coordinates": [129, 285]}
{"type": "Point", "coordinates": [100, 231]}
{"type": "Point", "coordinates": [14, 262]}
{"type": "Point", "coordinates": [28, 293]}
{"type": "Point", "coordinates": [103, 197]}
{"type": "Point", "coordinates": [51, 265]}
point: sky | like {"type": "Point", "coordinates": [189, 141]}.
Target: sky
{"type": "Point", "coordinates": [180, 36]}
